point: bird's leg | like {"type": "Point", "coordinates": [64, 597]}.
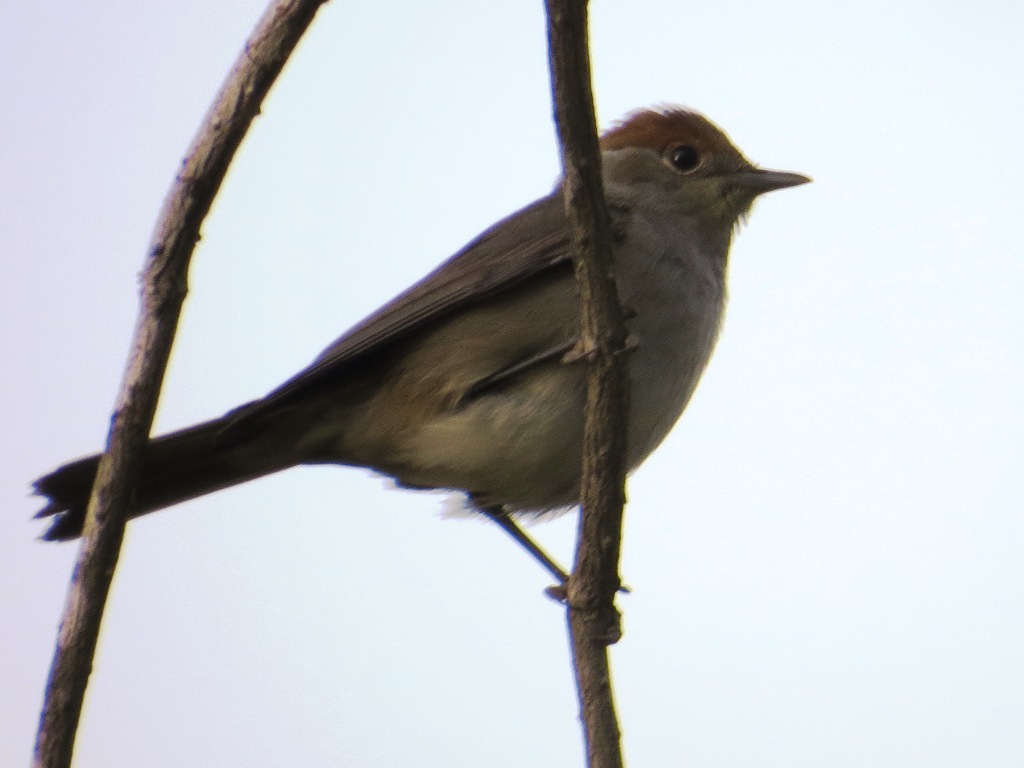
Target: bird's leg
{"type": "Point", "coordinates": [507, 524]}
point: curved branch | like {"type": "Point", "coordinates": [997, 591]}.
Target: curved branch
{"type": "Point", "coordinates": [164, 286]}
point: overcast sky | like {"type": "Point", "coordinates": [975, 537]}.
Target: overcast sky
{"type": "Point", "coordinates": [826, 554]}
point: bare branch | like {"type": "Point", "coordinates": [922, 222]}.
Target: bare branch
{"type": "Point", "coordinates": [164, 286]}
{"type": "Point", "coordinates": [593, 619]}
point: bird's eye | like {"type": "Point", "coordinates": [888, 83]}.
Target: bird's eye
{"type": "Point", "coordinates": [684, 158]}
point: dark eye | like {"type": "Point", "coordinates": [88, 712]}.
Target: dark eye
{"type": "Point", "coordinates": [684, 157]}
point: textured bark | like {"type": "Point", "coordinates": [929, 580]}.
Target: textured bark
{"type": "Point", "coordinates": [593, 619]}
{"type": "Point", "coordinates": [164, 285]}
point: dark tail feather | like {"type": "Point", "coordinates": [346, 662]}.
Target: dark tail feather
{"type": "Point", "coordinates": [175, 468]}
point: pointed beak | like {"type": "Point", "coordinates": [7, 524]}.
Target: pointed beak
{"type": "Point", "coordinates": [758, 180]}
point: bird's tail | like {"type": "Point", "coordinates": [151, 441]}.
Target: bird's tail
{"type": "Point", "coordinates": [175, 468]}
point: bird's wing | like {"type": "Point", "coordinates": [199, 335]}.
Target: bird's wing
{"type": "Point", "coordinates": [496, 379]}
{"type": "Point", "coordinates": [526, 243]}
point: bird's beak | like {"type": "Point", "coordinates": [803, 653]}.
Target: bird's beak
{"type": "Point", "coordinates": [758, 180]}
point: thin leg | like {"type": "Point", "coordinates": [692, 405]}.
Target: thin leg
{"type": "Point", "coordinates": [507, 524]}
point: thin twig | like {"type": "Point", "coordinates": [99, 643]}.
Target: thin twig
{"type": "Point", "coordinates": [164, 286]}
{"type": "Point", "coordinates": [593, 619]}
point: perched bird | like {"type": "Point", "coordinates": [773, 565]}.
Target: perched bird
{"type": "Point", "coordinates": [466, 381]}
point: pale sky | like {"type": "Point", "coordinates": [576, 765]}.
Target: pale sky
{"type": "Point", "coordinates": [827, 554]}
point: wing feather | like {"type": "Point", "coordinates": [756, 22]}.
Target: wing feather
{"type": "Point", "coordinates": [520, 246]}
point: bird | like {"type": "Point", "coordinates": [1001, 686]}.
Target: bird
{"type": "Point", "coordinates": [468, 381]}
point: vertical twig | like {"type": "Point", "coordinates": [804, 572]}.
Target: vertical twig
{"type": "Point", "coordinates": [593, 619]}
{"type": "Point", "coordinates": [164, 286]}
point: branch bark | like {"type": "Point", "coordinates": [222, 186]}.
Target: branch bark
{"type": "Point", "coordinates": [164, 286]}
{"type": "Point", "coordinates": [594, 622]}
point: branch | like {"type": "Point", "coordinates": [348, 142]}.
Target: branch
{"type": "Point", "coordinates": [164, 286]}
{"type": "Point", "coordinates": [593, 619]}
